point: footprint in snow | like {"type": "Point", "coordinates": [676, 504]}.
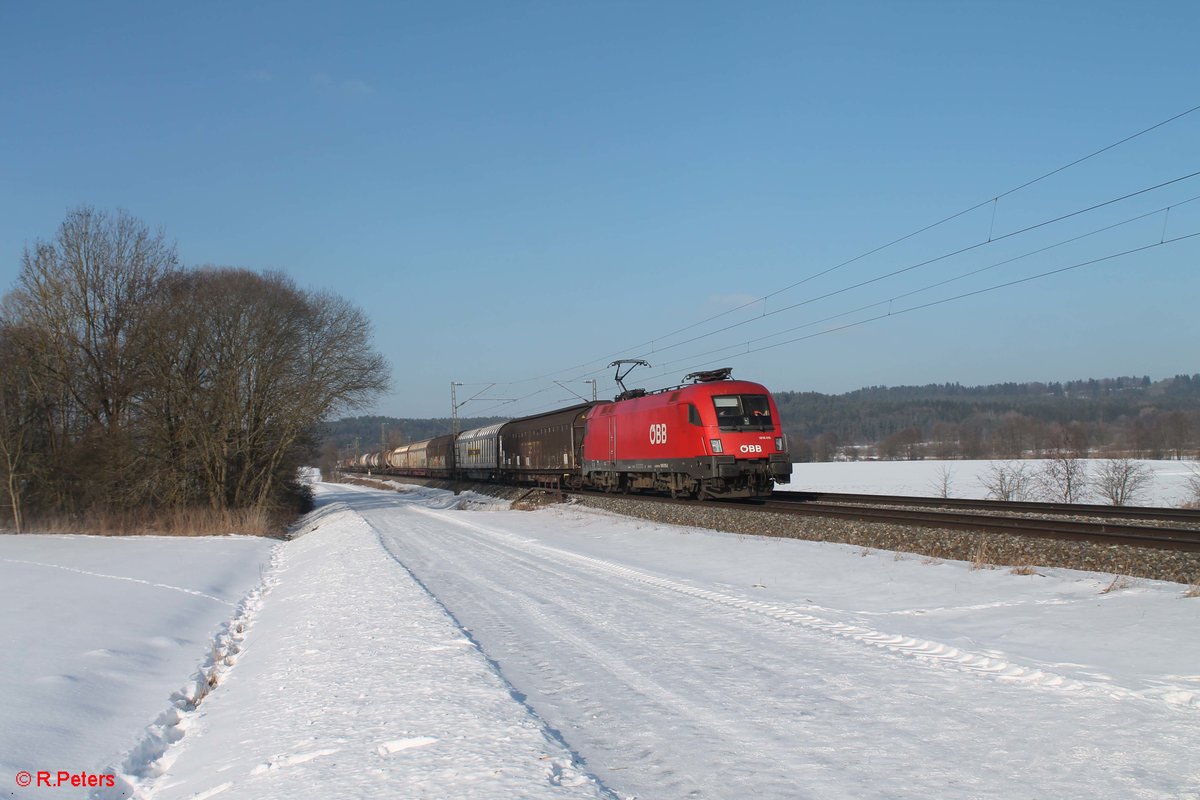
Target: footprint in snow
{"type": "Point", "coordinates": [396, 745]}
{"type": "Point", "coordinates": [290, 760]}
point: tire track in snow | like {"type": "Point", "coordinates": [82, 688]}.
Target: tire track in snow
{"type": "Point", "coordinates": [572, 769]}
{"type": "Point", "coordinates": [922, 650]}
{"type": "Point", "coordinates": [571, 691]}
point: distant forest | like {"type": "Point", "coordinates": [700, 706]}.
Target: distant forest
{"type": "Point", "coordinates": [1128, 416]}
{"type": "Point", "coordinates": [1104, 417]}
{"type": "Point", "coordinates": [365, 434]}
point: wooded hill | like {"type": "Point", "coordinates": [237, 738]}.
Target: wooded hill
{"type": "Point", "coordinates": [1128, 415]}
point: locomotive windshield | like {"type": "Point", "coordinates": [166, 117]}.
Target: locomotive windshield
{"type": "Point", "coordinates": [743, 412]}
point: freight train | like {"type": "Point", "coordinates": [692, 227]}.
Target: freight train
{"type": "Point", "coordinates": [714, 437]}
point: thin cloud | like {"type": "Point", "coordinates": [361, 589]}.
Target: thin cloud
{"type": "Point", "coordinates": [322, 82]}
{"type": "Point", "coordinates": [356, 87]}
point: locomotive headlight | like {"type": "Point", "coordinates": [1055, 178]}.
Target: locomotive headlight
{"type": "Point", "coordinates": [779, 443]}
{"type": "Point", "coordinates": [716, 445]}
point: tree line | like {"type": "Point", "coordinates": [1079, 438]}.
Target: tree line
{"type": "Point", "coordinates": [1126, 417]}
{"type": "Point", "coordinates": [130, 382]}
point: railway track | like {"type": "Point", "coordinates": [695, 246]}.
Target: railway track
{"type": "Point", "coordinates": [1106, 525]}
{"type": "Point", "coordinates": [1157, 514]}
{"type": "Point", "coordinates": [980, 516]}
{"type": "Point", "coordinates": [991, 516]}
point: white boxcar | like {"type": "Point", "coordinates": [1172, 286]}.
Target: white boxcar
{"type": "Point", "coordinates": [477, 452]}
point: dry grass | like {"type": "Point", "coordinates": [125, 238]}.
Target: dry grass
{"type": "Point", "coordinates": [980, 559]}
{"type": "Point", "coordinates": [1024, 569]}
{"type": "Point", "coordinates": [1119, 582]}
{"type": "Point", "coordinates": [1193, 590]}
{"type": "Point", "coordinates": [167, 522]}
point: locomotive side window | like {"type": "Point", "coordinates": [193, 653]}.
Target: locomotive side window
{"type": "Point", "coordinates": [693, 415]}
{"type": "Point", "coordinates": [740, 412]}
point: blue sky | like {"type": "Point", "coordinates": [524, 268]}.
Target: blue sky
{"type": "Point", "coordinates": [510, 190]}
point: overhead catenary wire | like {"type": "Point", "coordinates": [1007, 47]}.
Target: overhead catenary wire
{"type": "Point", "coordinates": [936, 259]}
{"type": "Point", "coordinates": [744, 348]}
{"type": "Point", "coordinates": [921, 230]}
{"type": "Point", "coordinates": [747, 346]}
{"type": "Point", "coordinates": [744, 345]}
{"type": "Point", "coordinates": [994, 199]}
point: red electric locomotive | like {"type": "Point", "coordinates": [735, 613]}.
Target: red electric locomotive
{"type": "Point", "coordinates": [715, 438]}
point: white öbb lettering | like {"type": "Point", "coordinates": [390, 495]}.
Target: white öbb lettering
{"type": "Point", "coordinates": [751, 448]}
{"type": "Point", "coordinates": [658, 433]}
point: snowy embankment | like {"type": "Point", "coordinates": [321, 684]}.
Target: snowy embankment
{"type": "Point", "coordinates": [1167, 483]}
{"type": "Point", "coordinates": [98, 633]}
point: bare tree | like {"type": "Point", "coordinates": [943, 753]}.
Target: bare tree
{"type": "Point", "coordinates": [78, 310]}
{"type": "Point", "coordinates": [1121, 481]}
{"type": "Point", "coordinates": [945, 440]}
{"type": "Point", "coordinates": [825, 447]}
{"type": "Point", "coordinates": [942, 481]}
{"type": "Point", "coordinates": [1013, 435]}
{"type": "Point", "coordinates": [1176, 428]}
{"type": "Point", "coordinates": [134, 385]}
{"type": "Point", "coordinates": [902, 444]}
{"type": "Point", "coordinates": [1063, 478]}
{"type": "Point", "coordinates": [1008, 481]}
{"type": "Point", "coordinates": [87, 292]}
{"type": "Point", "coordinates": [1193, 487]}
{"type": "Point", "coordinates": [19, 415]}
{"type": "Point", "coordinates": [971, 438]}
{"type": "Point", "coordinates": [254, 367]}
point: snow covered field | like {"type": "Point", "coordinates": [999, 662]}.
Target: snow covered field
{"type": "Point", "coordinates": [1168, 483]}
{"type": "Point", "coordinates": [99, 632]}
{"type": "Point", "coordinates": [426, 645]}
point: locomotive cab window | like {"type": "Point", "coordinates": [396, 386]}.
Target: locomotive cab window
{"type": "Point", "coordinates": [694, 415]}
{"type": "Point", "coordinates": [743, 412]}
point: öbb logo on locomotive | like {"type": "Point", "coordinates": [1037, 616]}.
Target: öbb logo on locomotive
{"type": "Point", "coordinates": [713, 438]}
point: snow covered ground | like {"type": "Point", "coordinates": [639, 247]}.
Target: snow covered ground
{"type": "Point", "coordinates": [1168, 484]}
{"type": "Point", "coordinates": [99, 632]}
{"type": "Point", "coordinates": [423, 645]}
{"type": "Point", "coordinates": [356, 682]}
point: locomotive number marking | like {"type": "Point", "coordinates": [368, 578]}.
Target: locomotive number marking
{"type": "Point", "coordinates": [751, 448]}
{"type": "Point", "coordinates": [658, 433]}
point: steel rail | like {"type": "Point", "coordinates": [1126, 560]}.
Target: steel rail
{"type": "Point", "coordinates": [1106, 533]}
{"type": "Point", "coordinates": [1076, 530]}
{"type": "Point", "coordinates": [802, 504]}
{"type": "Point", "coordinates": [1006, 506]}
